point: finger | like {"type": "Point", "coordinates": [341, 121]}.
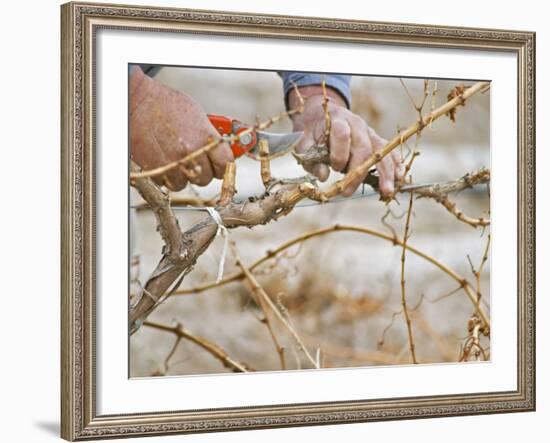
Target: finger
{"type": "Point", "coordinates": [173, 181]}
{"type": "Point", "coordinates": [148, 153]}
{"type": "Point", "coordinates": [201, 173]}
{"type": "Point", "coordinates": [360, 151]}
{"type": "Point", "coordinates": [385, 167]}
{"type": "Point", "coordinates": [219, 157]}
{"type": "Point", "coordinates": [399, 168]}
{"type": "Point", "coordinates": [155, 156]}
{"type": "Point", "coordinates": [339, 142]}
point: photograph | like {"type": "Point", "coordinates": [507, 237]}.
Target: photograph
{"type": "Point", "coordinates": [283, 220]}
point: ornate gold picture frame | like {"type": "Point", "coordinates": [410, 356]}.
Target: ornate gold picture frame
{"type": "Point", "coordinates": [81, 22]}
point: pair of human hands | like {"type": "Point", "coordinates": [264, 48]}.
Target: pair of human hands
{"type": "Point", "coordinates": [166, 125]}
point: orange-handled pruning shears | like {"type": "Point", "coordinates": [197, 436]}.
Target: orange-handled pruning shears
{"type": "Point", "coordinates": [249, 142]}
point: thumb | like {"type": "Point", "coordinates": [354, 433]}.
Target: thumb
{"type": "Point", "coordinates": [320, 170]}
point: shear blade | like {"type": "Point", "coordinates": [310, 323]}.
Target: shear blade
{"type": "Point", "coordinates": [279, 144]}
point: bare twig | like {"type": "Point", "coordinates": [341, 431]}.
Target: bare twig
{"type": "Point", "coordinates": [436, 190]}
{"type": "Point", "coordinates": [361, 357]}
{"type": "Point", "coordinates": [386, 224]}
{"type": "Point", "coordinates": [444, 296]}
{"type": "Point", "coordinates": [439, 193]}
{"type": "Point", "coordinates": [266, 300]}
{"type": "Point", "coordinates": [435, 90]}
{"type": "Point", "coordinates": [265, 164]}
{"type": "Point", "coordinates": [426, 93]}
{"type": "Point", "coordinates": [403, 291]}
{"type": "Point", "coordinates": [408, 93]}
{"type": "Point", "coordinates": [267, 322]}
{"type": "Point", "coordinates": [472, 343]}
{"type": "Point", "coordinates": [189, 158]}
{"type": "Point", "coordinates": [457, 91]}
{"type": "Point", "coordinates": [228, 184]}
{"type": "Point", "coordinates": [171, 353]}
{"type": "Point", "coordinates": [280, 349]}
{"type": "Point", "coordinates": [453, 209]}
{"type": "Point", "coordinates": [212, 348]}
{"type": "Point", "coordinates": [477, 272]}
{"type": "Point", "coordinates": [482, 264]}
{"type": "Point", "coordinates": [415, 153]}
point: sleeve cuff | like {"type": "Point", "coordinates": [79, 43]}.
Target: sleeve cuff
{"type": "Point", "coordinates": [150, 70]}
{"type": "Point", "coordinates": [340, 83]}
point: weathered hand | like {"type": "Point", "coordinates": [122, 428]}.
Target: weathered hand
{"type": "Point", "coordinates": [165, 126]}
{"type": "Point", "coordinates": [351, 140]}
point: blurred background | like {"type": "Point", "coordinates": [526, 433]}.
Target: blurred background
{"type": "Point", "coordinates": [342, 291]}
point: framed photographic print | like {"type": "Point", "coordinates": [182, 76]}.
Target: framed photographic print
{"type": "Point", "coordinates": [282, 221]}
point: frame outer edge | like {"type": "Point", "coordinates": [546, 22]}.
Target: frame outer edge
{"type": "Point", "coordinates": [68, 401]}
{"type": "Point", "coordinates": [530, 244]}
{"type": "Point", "coordinates": [533, 132]}
{"type": "Point", "coordinates": [526, 223]}
{"type": "Point", "coordinates": [78, 420]}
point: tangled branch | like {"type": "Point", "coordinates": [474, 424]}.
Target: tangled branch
{"type": "Point", "coordinates": [439, 193]}
{"type": "Point", "coordinates": [396, 141]}
{"type": "Point", "coordinates": [182, 249]}
{"type": "Point", "coordinates": [469, 291]}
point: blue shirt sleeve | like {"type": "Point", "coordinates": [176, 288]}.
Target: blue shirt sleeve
{"type": "Point", "coordinates": [341, 83]}
{"type": "Point", "coordinates": [150, 70]}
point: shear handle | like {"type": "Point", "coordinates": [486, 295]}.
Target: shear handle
{"type": "Point", "coordinates": [228, 126]}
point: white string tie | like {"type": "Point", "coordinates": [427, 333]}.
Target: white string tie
{"type": "Point", "coordinates": [222, 230]}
